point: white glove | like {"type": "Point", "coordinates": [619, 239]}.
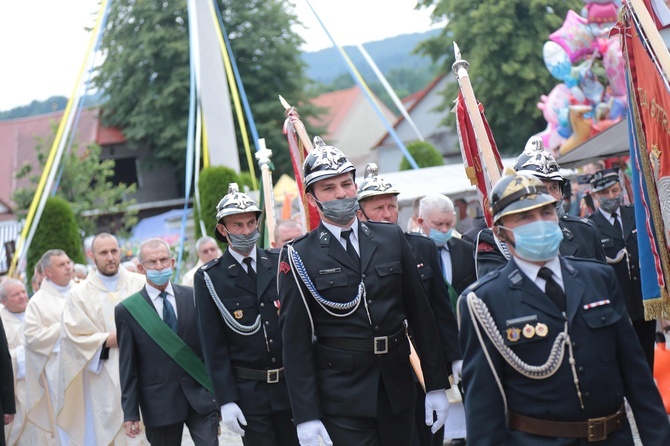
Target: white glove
{"type": "Point", "coordinates": [436, 401]}
{"type": "Point", "coordinates": [310, 431]}
{"type": "Point", "coordinates": [457, 371]}
{"type": "Point", "coordinates": [232, 417]}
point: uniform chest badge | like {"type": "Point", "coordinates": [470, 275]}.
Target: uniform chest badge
{"type": "Point", "coordinates": [528, 331]}
{"type": "Point", "coordinates": [239, 314]}
{"type": "Point", "coordinates": [541, 330]}
{"type": "Point", "coordinates": [513, 334]}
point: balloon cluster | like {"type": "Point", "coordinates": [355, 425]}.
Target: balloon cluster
{"type": "Point", "coordinates": [589, 64]}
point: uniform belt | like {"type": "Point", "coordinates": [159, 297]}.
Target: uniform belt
{"type": "Point", "coordinates": [593, 429]}
{"type": "Point", "coordinates": [378, 345]}
{"type": "Point", "coordinates": [271, 376]}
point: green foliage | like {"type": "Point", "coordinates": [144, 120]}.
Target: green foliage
{"type": "Point", "coordinates": [424, 153]}
{"type": "Point", "coordinates": [86, 183]}
{"type": "Point", "coordinates": [502, 40]}
{"type": "Point", "coordinates": [54, 103]}
{"type": "Point", "coordinates": [57, 229]}
{"type": "Point", "coordinates": [214, 183]}
{"type": "Point", "coordinates": [145, 72]}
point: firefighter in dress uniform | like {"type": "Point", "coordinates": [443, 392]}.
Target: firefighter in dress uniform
{"type": "Point", "coordinates": [378, 201]}
{"type": "Point", "coordinates": [619, 240]}
{"type": "Point", "coordinates": [345, 300]}
{"type": "Point", "coordinates": [580, 236]}
{"type": "Point", "coordinates": [236, 308]}
{"type": "Point", "coordinates": [549, 352]}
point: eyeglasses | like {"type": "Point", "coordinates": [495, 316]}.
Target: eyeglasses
{"type": "Point", "coordinates": [165, 261]}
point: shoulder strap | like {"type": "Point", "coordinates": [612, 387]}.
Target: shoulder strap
{"type": "Point", "coordinates": [167, 339]}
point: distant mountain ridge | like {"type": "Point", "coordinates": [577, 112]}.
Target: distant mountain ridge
{"type": "Point", "coordinates": [326, 65]}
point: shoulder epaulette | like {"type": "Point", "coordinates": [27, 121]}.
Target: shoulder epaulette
{"type": "Point", "coordinates": [482, 280]}
{"type": "Point", "coordinates": [209, 264]}
{"type": "Point", "coordinates": [416, 234]}
{"type": "Point", "coordinates": [291, 242]}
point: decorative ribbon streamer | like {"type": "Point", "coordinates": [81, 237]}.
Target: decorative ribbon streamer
{"type": "Point", "coordinates": [363, 86]}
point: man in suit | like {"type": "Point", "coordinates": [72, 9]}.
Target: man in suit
{"type": "Point", "coordinates": [549, 353]}
{"type": "Point", "coordinates": [152, 381]}
{"type": "Point", "coordinates": [580, 236]}
{"type": "Point", "coordinates": [237, 305]}
{"type": "Point", "coordinates": [378, 201]}
{"type": "Point", "coordinates": [7, 402]}
{"type": "Point", "coordinates": [618, 235]}
{"type": "Point", "coordinates": [345, 296]}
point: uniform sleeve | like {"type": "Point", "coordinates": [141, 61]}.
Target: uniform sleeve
{"type": "Point", "coordinates": [296, 329]}
{"type": "Point", "coordinates": [421, 321]}
{"type": "Point", "coordinates": [444, 316]}
{"type": "Point", "coordinates": [484, 405]}
{"type": "Point", "coordinates": [214, 343]}
{"type": "Point", "coordinates": [641, 391]}
{"type": "Point", "coordinates": [487, 255]}
{"type": "Point", "coordinates": [127, 365]}
{"type": "Point", "coordinates": [6, 375]}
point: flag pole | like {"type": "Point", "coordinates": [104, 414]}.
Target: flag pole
{"type": "Point", "coordinates": [263, 156]}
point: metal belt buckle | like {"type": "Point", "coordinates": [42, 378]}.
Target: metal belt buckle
{"type": "Point", "coordinates": [273, 376]}
{"type": "Point", "coordinates": [597, 429]}
{"type": "Point", "coordinates": [381, 345]}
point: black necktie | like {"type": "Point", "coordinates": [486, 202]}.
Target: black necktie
{"type": "Point", "coordinates": [616, 223]}
{"type": "Point", "coordinates": [169, 316]}
{"type": "Point", "coordinates": [552, 289]}
{"type": "Point", "coordinates": [350, 247]}
{"type": "Point", "coordinates": [250, 269]}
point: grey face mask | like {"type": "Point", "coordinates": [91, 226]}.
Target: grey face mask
{"type": "Point", "coordinates": [244, 243]}
{"type": "Point", "coordinates": [560, 209]}
{"type": "Point", "coordinates": [340, 211]}
{"type": "Point", "coordinates": [610, 204]}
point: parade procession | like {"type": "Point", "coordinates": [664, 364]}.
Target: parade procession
{"type": "Point", "coordinates": [188, 259]}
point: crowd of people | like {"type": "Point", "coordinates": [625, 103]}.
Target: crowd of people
{"type": "Point", "coordinates": [350, 334]}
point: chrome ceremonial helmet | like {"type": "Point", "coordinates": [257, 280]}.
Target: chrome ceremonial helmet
{"type": "Point", "coordinates": [536, 161]}
{"type": "Point", "coordinates": [373, 184]}
{"type": "Point", "coordinates": [518, 193]}
{"type": "Point", "coordinates": [323, 162]}
{"type": "Point", "coordinates": [234, 202]}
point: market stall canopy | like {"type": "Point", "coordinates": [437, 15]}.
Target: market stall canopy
{"type": "Point", "coordinates": [609, 143]}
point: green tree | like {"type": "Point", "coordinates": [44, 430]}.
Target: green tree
{"type": "Point", "coordinates": [86, 183]}
{"type": "Point", "coordinates": [502, 40]}
{"type": "Point", "coordinates": [145, 73]}
{"type": "Point", "coordinates": [57, 229]}
{"type": "Point", "coordinates": [424, 153]}
{"type": "Point", "coordinates": [214, 183]}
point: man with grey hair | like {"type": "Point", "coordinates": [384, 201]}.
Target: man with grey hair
{"type": "Point", "coordinates": [207, 249]}
{"type": "Point", "coordinates": [285, 231]}
{"type": "Point", "coordinates": [43, 347]}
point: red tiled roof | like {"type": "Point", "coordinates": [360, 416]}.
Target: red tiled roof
{"type": "Point", "coordinates": [18, 138]}
{"type": "Point", "coordinates": [337, 105]}
{"type": "Point", "coordinates": [414, 99]}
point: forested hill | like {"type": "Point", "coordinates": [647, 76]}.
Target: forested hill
{"type": "Point", "coordinates": [389, 54]}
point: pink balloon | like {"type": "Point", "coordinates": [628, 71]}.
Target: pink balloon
{"type": "Point", "coordinates": [575, 37]}
{"type": "Point", "coordinates": [557, 99]}
{"type": "Point", "coordinates": [614, 68]}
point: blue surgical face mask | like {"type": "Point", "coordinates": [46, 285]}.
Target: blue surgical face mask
{"type": "Point", "coordinates": [440, 238]}
{"type": "Point", "coordinates": [537, 241]}
{"type": "Point", "coordinates": [159, 277]}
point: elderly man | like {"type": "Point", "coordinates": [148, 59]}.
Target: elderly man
{"type": "Point", "coordinates": [89, 409]}
{"type": "Point", "coordinates": [346, 290]}
{"type": "Point", "coordinates": [156, 328]}
{"type": "Point", "coordinates": [207, 250]}
{"type": "Point", "coordinates": [378, 201]}
{"type": "Point", "coordinates": [549, 352]}
{"type": "Point", "coordinates": [285, 231]}
{"type": "Point", "coordinates": [43, 347]}
{"type": "Point", "coordinates": [14, 299]}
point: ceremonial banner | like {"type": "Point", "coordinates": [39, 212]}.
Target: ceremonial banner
{"type": "Point", "coordinates": [650, 154]}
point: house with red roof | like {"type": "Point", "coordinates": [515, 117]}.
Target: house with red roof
{"type": "Point", "coordinates": [351, 123]}
{"type": "Point", "coordinates": [423, 107]}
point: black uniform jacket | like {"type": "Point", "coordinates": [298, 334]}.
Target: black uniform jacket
{"type": "Point", "coordinates": [324, 379]}
{"type": "Point", "coordinates": [613, 242]}
{"type": "Point", "coordinates": [225, 349]}
{"type": "Point", "coordinates": [150, 380]}
{"type": "Point", "coordinates": [580, 239]}
{"type": "Point", "coordinates": [428, 265]}
{"type": "Point", "coordinates": [608, 358]}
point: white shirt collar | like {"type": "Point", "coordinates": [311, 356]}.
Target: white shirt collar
{"type": "Point", "coordinates": [240, 257]}
{"type": "Point", "coordinates": [531, 269]}
{"type": "Point", "coordinates": [154, 292]}
{"type": "Point", "coordinates": [610, 215]}
{"type": "Point", "coordinates": [337, 231]}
